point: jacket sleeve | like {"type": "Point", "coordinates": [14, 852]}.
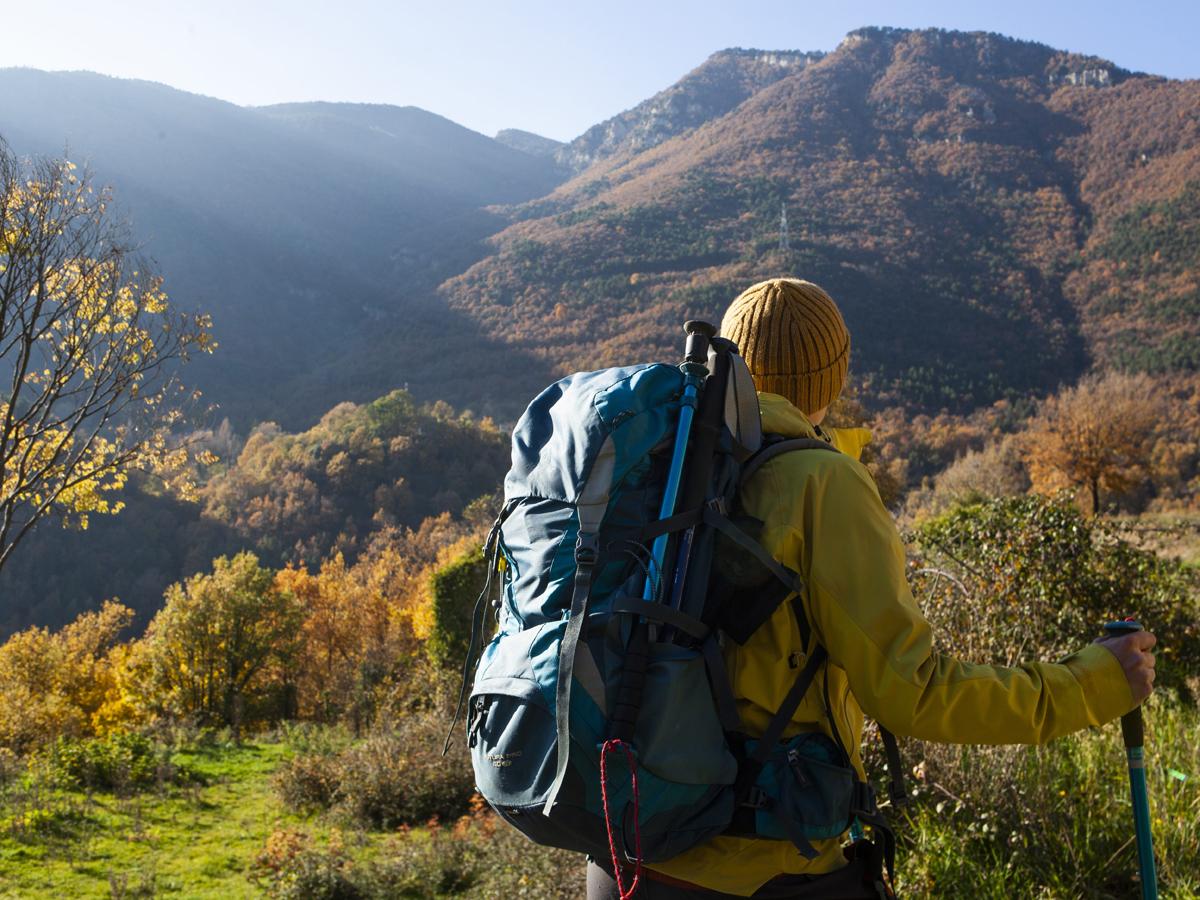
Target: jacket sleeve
{"type": "Point", "coordinates": [864, 613]}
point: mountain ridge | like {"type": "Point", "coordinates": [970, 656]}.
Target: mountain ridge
{"type": "Point", "coordinates": [944, 185]}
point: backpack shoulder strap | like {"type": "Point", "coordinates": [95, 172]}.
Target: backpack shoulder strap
{"type": "Point", "coordinates": [773, 446]}
{"type": "Point", "coordinates": [777, 446]}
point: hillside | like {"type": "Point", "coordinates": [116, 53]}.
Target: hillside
{"type": "Point", "coordinates": [364, 470]}
{"type": "Point", "coordinates": [313, 233]}
{"type": "Point", "coordinates": [991, 214]}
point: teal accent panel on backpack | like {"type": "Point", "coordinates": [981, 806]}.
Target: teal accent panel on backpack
{"type": "Point", "coordinates": [555, 444]}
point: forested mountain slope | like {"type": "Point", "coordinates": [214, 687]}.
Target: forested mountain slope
{"type": "Point", "coordinates": [360, 474]}
{"type": "Point", "coordinates": [992, 214]}
{"type": "Point", "coordinates": [313, 233]}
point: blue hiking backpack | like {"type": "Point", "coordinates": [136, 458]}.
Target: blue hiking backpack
{"type": "Point", "coordinates": [623, 564]}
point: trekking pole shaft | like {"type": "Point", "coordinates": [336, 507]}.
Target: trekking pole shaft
{"type": "Point", "coordinates": [694, 372]}
{"type": "Point", "coordinates": [1133, 734]}
{"type": "Point", "coordinates": [687, 411]}
{"type": "Point", "coordinates": [1141, 813]}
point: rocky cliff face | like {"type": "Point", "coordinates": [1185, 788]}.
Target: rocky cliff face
{"type": "Point", "coordinates": [722, 82]}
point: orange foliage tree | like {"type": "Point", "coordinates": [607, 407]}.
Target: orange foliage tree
{"type": "Point", "coordinates": [1096, 435]}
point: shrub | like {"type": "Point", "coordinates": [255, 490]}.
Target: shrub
{"type": "Point", "coordinates": [1031, 577]}
{"type": "Point", "coordinates": [432, 863]}
{"type": "Point", "coordinates": [291, 868]}
{"type": "Point", "coordinates": [308, 782]}
{"type": "Point", "coordinates": [510, 866]}
{"type": "Point", "coordinates": [477, 857]}
{"type": "Point", "coordinates": [402, 777]}
{"type": "Point", "coordinates": [454, 589]}
{"type": "Point", "coordinates": [1022, 578]}
{"type": "Point", "coordinates": [393, 777]}
{"type": "Point", "coordinates": [119, 761]}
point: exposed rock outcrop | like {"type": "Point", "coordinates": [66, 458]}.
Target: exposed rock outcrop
{"type": "Point", "coordinates": [722, 82]}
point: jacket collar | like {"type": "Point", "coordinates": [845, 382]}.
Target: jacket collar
{"type": "Point", "coordinates": [779, 416]}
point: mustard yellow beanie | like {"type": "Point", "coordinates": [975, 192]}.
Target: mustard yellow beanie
{"type": "Point", "coordinates": [794, 340]}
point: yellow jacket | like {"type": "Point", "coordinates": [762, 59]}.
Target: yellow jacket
{"type": "Point", "coordinates": [823, 518]}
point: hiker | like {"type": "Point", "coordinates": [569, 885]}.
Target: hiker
{"type": "Point", "coordinates": [823, 518]}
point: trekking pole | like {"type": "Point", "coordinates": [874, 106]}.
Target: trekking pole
{"type": "Point", "coordinates": [628, 702]}
{"type": "Point", "coordinates": [1133, 732]}
{"type": "Point", "coordinates": [695, 370]}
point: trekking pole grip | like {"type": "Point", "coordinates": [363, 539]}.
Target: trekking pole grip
{"type": "Point", "coordinates": [699, 336]}
{"type": "Point", "coordinates": [1133, 729]}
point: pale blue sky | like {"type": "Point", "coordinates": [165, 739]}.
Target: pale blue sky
{"type": "Point", "coordinates": [549, 67]}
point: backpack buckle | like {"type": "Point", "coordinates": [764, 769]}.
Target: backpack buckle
{"type": "Point", "coordinates": [587, 549]}
{"type": "Point", "coordinates": [864, 801]}
{"type": "Point", "coordinates": [756, 798]}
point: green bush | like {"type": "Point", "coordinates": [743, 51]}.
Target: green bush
{"type": "Point", "coordinates": [1030, 577]}
{"type": "Point", "coordinates": [121, 761]}
{"type": "Point", "coordinates": [1022, 578]}
{"type": "Point", "coordinates": [454, 589]}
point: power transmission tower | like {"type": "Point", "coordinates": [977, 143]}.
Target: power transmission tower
{"type": "Point", "coordinates": [783, 231]}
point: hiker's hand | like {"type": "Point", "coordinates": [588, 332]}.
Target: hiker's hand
{"type": "Point", "coordinates": [1133, 653]}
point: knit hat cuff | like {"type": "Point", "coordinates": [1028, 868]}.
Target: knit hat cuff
{"type": "Point", "coordinates": [808, 391]}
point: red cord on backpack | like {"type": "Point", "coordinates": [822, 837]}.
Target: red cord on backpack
{"type": "Point", "coordinates": [637, 831]}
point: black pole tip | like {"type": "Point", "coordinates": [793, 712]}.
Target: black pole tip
{"type": "Point", "coordinates": [699, 326]}
{"type": "Point", "coordinates": [1119, 628]}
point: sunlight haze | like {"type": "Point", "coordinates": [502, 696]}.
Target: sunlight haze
{"type": "Point", "coordinates": [551, 68]}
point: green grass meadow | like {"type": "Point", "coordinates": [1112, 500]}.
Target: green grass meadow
{"type": "Point", "coordinates": [190, 841]}
{"type": "Point", "coordinates": [1064, 831]}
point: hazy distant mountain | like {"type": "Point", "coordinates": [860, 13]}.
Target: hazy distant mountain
{"type": "Point", "coordinates": [528, 142]}
{"type": "Point", "coordinates": [723, 81]}
{"type": "Point", "coordinates": [313, 233]}
{"type": "Point", "coordinates": [992, 214]}
{"type": "Point", "coordinates": [423, 148]}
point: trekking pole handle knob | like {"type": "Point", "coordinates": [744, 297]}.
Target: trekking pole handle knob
{"type": "Point", "coordinates": [699, 334]}
{"type": "Point", "coordinates": [1122, 627]}
{"type": "Point", "coordinates": [1133, 729]}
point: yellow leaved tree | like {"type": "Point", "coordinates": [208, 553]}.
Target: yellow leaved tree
{"type": "Point", "coordinates": [89, 348]}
